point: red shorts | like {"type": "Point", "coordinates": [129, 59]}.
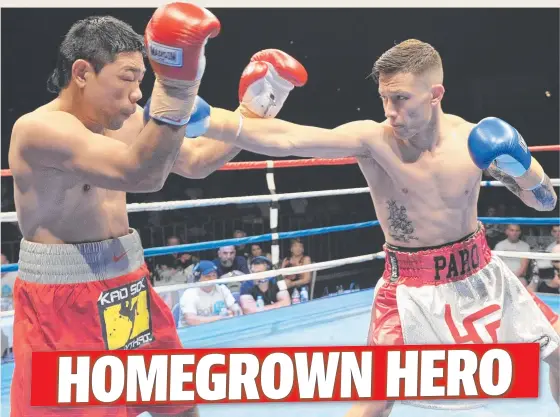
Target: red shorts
{"type": "Point", "coordinates": [456, 293]}
{"type": "Point", "coordinates": [123, 312]}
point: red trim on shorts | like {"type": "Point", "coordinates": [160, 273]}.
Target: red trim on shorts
{"type": "Point", "coordinates": [385, 326]}
{"type": "Point", "coordinates": [448, 263]}
{"type": "Point", "coordinates": [550, 315]}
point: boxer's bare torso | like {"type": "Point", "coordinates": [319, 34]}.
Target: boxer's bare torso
{"type": "Point", "coordinates": [422, 196]}
{"type": "Point", "coordinates": [424, 189]}
{"type": "Point", "coordinates": [56, 206]}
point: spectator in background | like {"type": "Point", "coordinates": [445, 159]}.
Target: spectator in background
{"type": "Point", "coordinates": [228, 261]}
{"type": "Point", "coordinates": [551, 283]}
{"type": "Point", "coordinates": [210, 303]}
{"type": "Point", "coordinates": [273, 292]}
{"type": "Point", "coordinates": [256, 250]}
{"type": "Point", "coordinates": [8, 279]}
{"type": "Point", "coordinates": [494, 232]}
{"type": "Point", "coordinates": [297, 257]}
{"type": "Point", "coordinates": [241, 250]}
{"type": "Point", "coordinates": [513, 243]}
{"type": "Point", "coordinates": [175, 268]}
{"type": "Point", "coordinates": [546, 269]}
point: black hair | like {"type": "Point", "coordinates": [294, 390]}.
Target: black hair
{"type": "Point", "coordinates": [96, 39]}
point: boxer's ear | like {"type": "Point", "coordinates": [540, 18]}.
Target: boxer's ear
{"type": "Point", "coordinates": [437, 94]}
{"type": "Point", "coordinates": [81, 69]}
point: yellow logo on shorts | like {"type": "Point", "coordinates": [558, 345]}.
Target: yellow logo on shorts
{"type": "Point", "coordinates": [125, 316]}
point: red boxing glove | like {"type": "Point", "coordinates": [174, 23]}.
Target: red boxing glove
{"type": "Point", "coordinates": [175, 39]}
{"type": "Point", "coordinates": [267, 81]}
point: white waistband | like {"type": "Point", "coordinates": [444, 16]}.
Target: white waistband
{"type": "Point", "coordinates": [80, 262]}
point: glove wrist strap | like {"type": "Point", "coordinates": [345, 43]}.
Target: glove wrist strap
{"type": "Point", "coordinates": [173, 100]}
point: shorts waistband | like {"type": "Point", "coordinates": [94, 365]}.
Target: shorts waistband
{"type": "Point", "coordinates": [80, 262]}
{"type": "Point", "coordinates": [450, 262]}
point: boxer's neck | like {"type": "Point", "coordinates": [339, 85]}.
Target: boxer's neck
{"type": "Point", "coordinates": [71, 101]}
{"type": "Point", "coordinates": [431, 136]}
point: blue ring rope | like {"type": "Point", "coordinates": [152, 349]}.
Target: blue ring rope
{"type": "Point", "coordinates": [213, 244]}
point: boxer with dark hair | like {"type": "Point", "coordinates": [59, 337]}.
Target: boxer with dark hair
{"type": "Point", "coordinates": [83, 283]}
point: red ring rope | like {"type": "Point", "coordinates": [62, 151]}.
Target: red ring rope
{"type": "Point", "coordinates": [292, 163]}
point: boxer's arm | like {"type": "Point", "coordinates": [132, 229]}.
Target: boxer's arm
{"type": "Point", "coordinates": [541, 198]}
{"type": "Point", "coordinates": [197, 158]}
{"type": "Point", "coordinates": [276, 137]}
{"type": "Point", "coordinates": [60, 141]}
{"type": "Point", "coordinates": [200, 157]}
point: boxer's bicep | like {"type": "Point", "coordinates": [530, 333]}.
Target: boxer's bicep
{"type": "Point", "coordinates": [281, 138]}
{"type": "Point", "coordinates": [200, 157]}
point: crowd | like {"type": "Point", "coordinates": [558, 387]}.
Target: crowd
{"type": "Point", "coordinates": [210, 303]}
{"type": "Point", "coordinates": [537, 275]}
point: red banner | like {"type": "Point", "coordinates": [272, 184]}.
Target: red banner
{"type": "Point", "coordinates": [292, 374]}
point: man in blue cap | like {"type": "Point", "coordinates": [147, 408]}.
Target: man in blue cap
{"type": "Point", "coordinates": [208, 303]}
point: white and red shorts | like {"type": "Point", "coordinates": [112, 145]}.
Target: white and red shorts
{"type": "Point", "coordinates": [454, 294]}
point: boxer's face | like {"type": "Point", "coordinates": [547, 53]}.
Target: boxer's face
{"type": "Point", "coordinates": [112, 93]}
{"type": "Point", "coordinates": [408, 102]}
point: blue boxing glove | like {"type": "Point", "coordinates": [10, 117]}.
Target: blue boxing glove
{"type": "Point", "coordinates": [493, 140]}
{"type": "Point", "coordinates": [198, 121]}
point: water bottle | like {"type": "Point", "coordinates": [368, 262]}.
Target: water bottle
{"type": "Point", "coordinates": [304, 296]}
{"type": "Point", "coordinates": [295, 296]}
{"type": "Point", "coordinates": [260, 303]}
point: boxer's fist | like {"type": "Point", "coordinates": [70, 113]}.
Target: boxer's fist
{"type": "Point", "coordinates": [198, 121]}
{"type": "Point", "coordinates": [493, 140]}
{"type": "Point", "coordinates": [267, 81]}
{"type": "Point", "coordinates": [175, 38]}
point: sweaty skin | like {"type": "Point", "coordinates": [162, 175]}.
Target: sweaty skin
{"type": "Point", "coordinates": [59, 206]}
{"type": "Point", "coordinates": [422, 197]}
{"type": "Point", "coordinates": [422, 180]}
{"type": "Point", "coordinates": [73, 163]}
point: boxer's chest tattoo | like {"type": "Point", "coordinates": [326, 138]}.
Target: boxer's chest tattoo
{"type": "Point", "coordinates": [400, 227]}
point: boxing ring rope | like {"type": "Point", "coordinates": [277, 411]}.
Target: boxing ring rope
{"type": "Point", "coordinates": [11, 216]}
{"type": "Point", "coordinates": [317, 266]}
{"type": "Point", "coordinates": [273, 199]}
{"type": "Point", "coordinates": [214, 244]}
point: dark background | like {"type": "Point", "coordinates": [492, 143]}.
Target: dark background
{"type": "Point", "coordinates": [498, 62]}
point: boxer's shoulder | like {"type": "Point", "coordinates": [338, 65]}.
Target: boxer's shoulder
{"type": "Point", "coordinates": [43, 124]}
{"type": "Point", "coordinates": [368, 131]}
{"type": "Point", "coordinates": [458, 122]}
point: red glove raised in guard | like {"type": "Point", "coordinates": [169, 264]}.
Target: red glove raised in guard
{"type": "Point", "coordinates": [175, 39]}
{"type": "Point", "coordinates": [267, 81]}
